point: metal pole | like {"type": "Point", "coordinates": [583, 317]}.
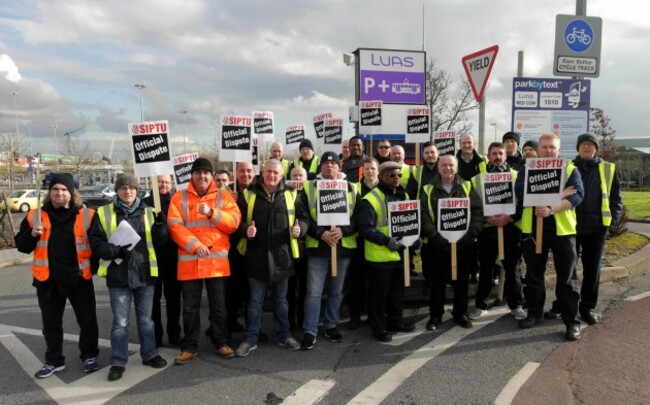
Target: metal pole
{"type": "Point", "coordinates": [481, 125]}
{"type": "Point", "coordinates": [520, 64]}
{"type": "Point", "coordinates": [56, 146]}
{"type": "Point", "coordinates": [581, 7]}
{"type": "Point", "coordinates": [494, 124]}
{"type": "Point", "coordinates": [184, 112]}
{"type": "Point", "coordinates": [140, 87]}
{"type": "Point", "coordinates": [12, 145]}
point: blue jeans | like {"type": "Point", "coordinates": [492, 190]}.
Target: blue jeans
{"type": "Point", "coordinates": [318, 271]}
{"type": "Point", "coordinates": [257, 291]}
{"type": "Point", "coordinates": [121, 307]}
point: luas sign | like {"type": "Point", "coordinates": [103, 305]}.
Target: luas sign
{"type": "Point", "coordinates": [392, 76]}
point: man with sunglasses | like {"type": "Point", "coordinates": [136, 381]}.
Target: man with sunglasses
{"type": "Point", "coordinates": [383, 254]}
{"type": "Point", "coordinates": [383, 151]}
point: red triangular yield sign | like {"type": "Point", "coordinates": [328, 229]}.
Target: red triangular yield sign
{"type": "Point", "coordinates": [478, 67]}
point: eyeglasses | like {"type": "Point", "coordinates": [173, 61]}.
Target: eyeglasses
{"type": "Point", "coordinates": [393, 175]}
{"type": "Point", "coordinates": [383, 146]}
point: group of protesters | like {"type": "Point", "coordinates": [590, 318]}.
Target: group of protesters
{"type": "Point", "coordinates": [258, 240]}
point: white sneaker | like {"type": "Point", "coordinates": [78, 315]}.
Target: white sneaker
{"type": "Point", "coordinates": [291, 344]}
{"type": "Point", "coordinates": [244, 349]}
{"type": "Point", "coordinates": [518, 313]}
{"type": "Point", "coordinates": [476, 313]}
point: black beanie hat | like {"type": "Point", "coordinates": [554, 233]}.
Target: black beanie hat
{"type": "Point", "coordinates": [202, 164]}
{"type": "Point", "coordinates": [63, 178]}
{"type": "Point", "coordinates": [586, 138]}
{"type": "Point", "coordinates": [511, 135]}
{"type": "Point", "coordinates": [531, 143]}
{"type": "Point", "coordinates": [330, 156]}
{"type": "Point", "coordinates": [306, 143]}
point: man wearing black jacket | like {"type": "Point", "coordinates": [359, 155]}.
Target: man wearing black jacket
{"type": "Point", "coordinates": [62, 271]}
{"type": "Point", "coordinates": [167, 281]}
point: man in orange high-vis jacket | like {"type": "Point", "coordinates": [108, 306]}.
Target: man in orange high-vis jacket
{"type": "Point", "coordinates": [200, 220]}
{"type": "Point", "coordinates": [62, 271]}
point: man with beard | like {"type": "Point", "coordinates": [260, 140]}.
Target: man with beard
{"type": "Point", "coordinates": [424, 174]}
{"type": "Point", "coordinates": [353, 165]}
{"type": "Point", "coordinates": [383, 151]}
{"type": "Point", "coordinates": [307, 160]}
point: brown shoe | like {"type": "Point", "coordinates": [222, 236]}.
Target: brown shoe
{"type": "Point", "coordinates": [184, 357]}
{"type": "Point", "coordinates": [226, 352]}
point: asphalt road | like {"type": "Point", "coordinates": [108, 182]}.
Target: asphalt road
{"type": "Point", "coordinates": [449, 366]}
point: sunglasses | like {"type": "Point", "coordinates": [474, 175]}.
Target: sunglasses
{"type": "Point", "coordinates": [393, 175]}
{"type": "Point", "coordinates": [383, 147]}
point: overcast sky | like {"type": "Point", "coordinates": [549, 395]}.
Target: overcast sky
{"type": "Point", "coordinates": [74, 63]}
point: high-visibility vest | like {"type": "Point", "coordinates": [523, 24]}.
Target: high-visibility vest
{"type": "Point", "coordinates": [606, 172]}
{"type": "Point", "coordinates": [108, 220]}
{"type": "Point", "coordinates": [290, 201]}
{"type": "Point", "coordinates": [565, 221]}
{"type": "Point", "coordinates": [41, 264]}
{"type": "Point", "coordinates": [407, 172]}
{"type": "Point", "coordinates": [313, 168]}
{"type": "Point", "coordinates": [373, 252]}
{"type": "Point", "coordinates": [477, 183]}
{"type": "Point", "coordinates": [465, 185]}
{"type": "Point", "coordinates": [348, 242]}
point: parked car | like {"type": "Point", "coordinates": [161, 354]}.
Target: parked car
{"type": "Point", "coordinates": [99, 195]}
{"type": "Point", "coordinates": [107, 190]}
{"type": "Point", "coordinates": [22, 200]}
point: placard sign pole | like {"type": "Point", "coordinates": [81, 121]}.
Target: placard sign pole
{"type": "Point", "coordinates": [333, 259]}
{"type": "Point", "coordinates": [539, 235]}
{"type": "Point", "coordinates": [156, 193]}
{"type": "Point", "coordinates": [502, 253]}
{"type": "Point", "coordinates": [407, 267]}
{"type": "Point", "coordinates": [454, 262]}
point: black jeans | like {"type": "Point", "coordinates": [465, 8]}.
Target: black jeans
{"type": "Point", "coordinates": [385, 295]}
{"type": "Point", "coordinates": [216, 291]}
{"type": "Point", "coordinates": [358, 278]}
{"type": "Point", "coordinates": [488, 252]}
{"type": "Point", "coordinates": [167, 284]}
{"type": "Point", "coordinates": [591, 247]}
{"type": "Point", "coordinates": [236, 287]}
{"type": "Point", "coordinates": [296, 291]}
{"type": "Point", "coordinates": [441, 276]}
{"type": "Point", "coordinates": [564, 259]}
{"type": "Point", "coordinates": [52, 304]}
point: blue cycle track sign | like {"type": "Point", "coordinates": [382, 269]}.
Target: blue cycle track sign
{"type": "Point", "coordinates": [577, 45]}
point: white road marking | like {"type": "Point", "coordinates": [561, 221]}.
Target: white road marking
{"type": "Point", "coordinates": [511, 389]}
{"type": "Point", "coordinates": [93, 388]}
{"type": "Point", "coordinates": [378, 391]}
{"type": "Point", "coordinates": [420, 327]}
{"type": "Point", "coordinates": [639, 296]}
{"type": "Point", "coordinates": [310, 393]}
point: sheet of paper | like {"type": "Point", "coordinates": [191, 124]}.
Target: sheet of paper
{"type": "Point", "coordinates": [124, 235]}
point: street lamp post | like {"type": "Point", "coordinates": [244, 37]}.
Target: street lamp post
{"type": "Point", "coordinates": [11, 144]}
{"type": "Point", "coordinates": [184, 112]}
{"type": "Point", "coordinates": [140, 87]}
{"type": "Point", "coordinates": [56, 146]}
{"type": "Point", "coordinates": [494, 124]}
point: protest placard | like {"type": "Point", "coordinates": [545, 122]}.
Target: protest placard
{"type": "Point", "coordinates": [319, 123]}
{"type": "Point", "coordinates": [151, 148]}
{"type": "Point", "coordinates": [255, 154]}
{"type": "Point", "coordinates": [294, 134]}
{"type": "Point", "coordinates": [236, 142]}
{"type": "Point", "coordinates": [183, 169]}
{"type": "Point", "coordinates": [370, 114]}
{"type": "Point", "coordinates": [263, 125]}
{"type": "Point", "coordinates": [333, 134]}
{"type": "Point", "coordinates": [418, 128]}
{"type": "Point", "coordinates": [445, 142]}
{"type": "Point", "coordinates": [544, 182]}
{"type": "Point", "coordinates": [498, 193]}
{"type": "Point", "coordinates": [332, 202]}
{"type": "Point", "coordinates": [453, 224]}
{"type": "Point", "coordinates": [404, 220]}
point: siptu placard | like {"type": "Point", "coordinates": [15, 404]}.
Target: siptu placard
{"type": "Point", "coordinates": [545, 178]}
{"type": "Point", "coordinates": [319, 124]}
{"type": "Point", "coordinates": [183, 169]}
{"type": "Point", "coordinates": [498, 193]}
{"type": "Point", "coordinates": [333, 206]}
{"type": "Point", "coordinates": [255, 154]}
{"type": "Point", "coordinates": [263, 125]}
{"type": "Point", "coordinates": [418, 127]}
{"type": "Point", "coordinates": [294, 134]}
{"type": "Point", "coordinates": [404, 220]}
{"type": "Point", "coordinates": [236, 142]}
{"type": "Point", "coordinates": [370, 113]}
{"type": "Point", "coordinates": [453, 218]}
{"type": "Point", "coordinates": [151, 148]}
{"type": "Point", "coordinates": [445, 142]}
{"type": "Point", "coordinates": [333, 132]}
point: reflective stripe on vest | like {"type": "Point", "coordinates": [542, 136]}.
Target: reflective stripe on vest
{"type": "Point", "coordinates": [373, 252]}
{"type": "Point", "coordinates": [348, 242]}
{"type": "Point", "coordinates": [290, 201]}
{"type": "Point", "coordinates": [108, 221]}
{"type": "Point", "coordinates": [313, 168]}
{"type": "Point", "coordinates": [565, 221]}
{"type": "Point", "coordinates": [41, 264]}
{"type": "Point", "coordinates": [606, 172]}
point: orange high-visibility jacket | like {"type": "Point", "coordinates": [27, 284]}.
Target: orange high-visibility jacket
{"type": "Point", "coordinates": [41, 266]}
{"type": "Point", "coordinates": [191, 230]}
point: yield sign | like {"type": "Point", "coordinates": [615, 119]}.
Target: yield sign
{"type": "Point", "coordinates": [478, 67]}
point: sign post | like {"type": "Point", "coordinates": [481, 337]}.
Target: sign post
{"type": "Point", "coordinates": [404, 220]}
{"type": "Point", "coordinates": [333, 208]}
{"type": "Point", "coordinates": [577, 45]}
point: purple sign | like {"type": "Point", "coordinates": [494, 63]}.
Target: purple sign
{"type": "Point", "coordinates": [392, 87]}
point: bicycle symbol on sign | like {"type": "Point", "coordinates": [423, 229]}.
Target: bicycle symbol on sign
{"type": "Point", "coordinates": [578, 35]}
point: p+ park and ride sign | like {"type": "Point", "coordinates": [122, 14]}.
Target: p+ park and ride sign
{"type": "Point", "coordinates": [577, 45]}
{"type": "Point", "coordinates": [391, 76]}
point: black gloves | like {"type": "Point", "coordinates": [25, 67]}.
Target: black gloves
{"type": "Point", "coordinates": [417, 244]}
{"type": "Point", "coordinates": [159, 218]}
{"type": "Point", "coordinates": [124, 252]}
{"type": "Point", "coordinates": [394, 245]}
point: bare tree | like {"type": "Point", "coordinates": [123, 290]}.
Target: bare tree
{"type": "Point", "coordinates": [448, 103]}
{"type": "Point", "coordinates": [80, 153]}
{"type": "Point", "coordinates": [600, 126]}
{"type": "Point", "coordinates": [10, 150]}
